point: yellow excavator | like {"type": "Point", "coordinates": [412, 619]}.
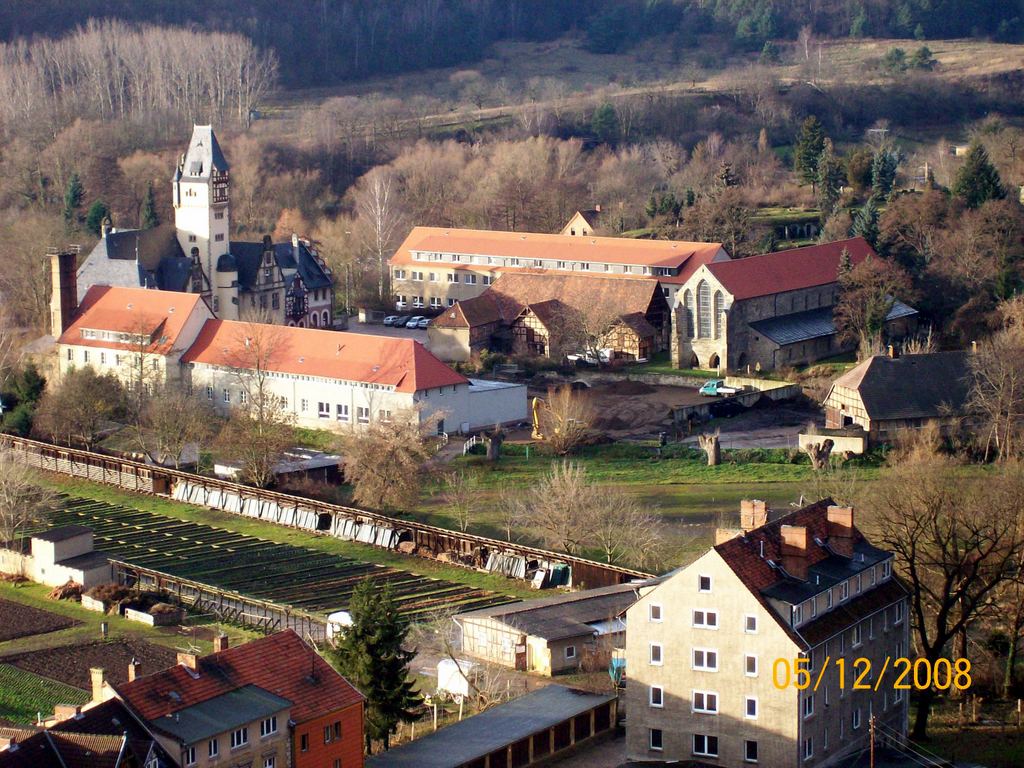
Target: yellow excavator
{"type": "Point", "coordinates": [538, 405]}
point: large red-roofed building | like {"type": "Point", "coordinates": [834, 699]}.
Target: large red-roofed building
{"type": "Point", "coordinates": [770, 310]}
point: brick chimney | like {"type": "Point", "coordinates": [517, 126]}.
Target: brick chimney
{"type": "Point", "coordinates": [794, 550]}
{"type": "Point", "coordinates": [840, 530]}
{"type": "Point", "coordinates": [753, 514]}
{"type": "Point", "coordinates": [62, 712]}
{"type": "Point", "coordinates": [188, 660]}
{"type": "Point", "coordinates": [96, 676]}
{"type": "Point", "coordinates": [220, 643]}
{"type": "Point", "coordinates": [64, 288]}
{"type": "Point", "coordinates": [134, 669]}
{"type": "Point", "coordinates": [723, 535]}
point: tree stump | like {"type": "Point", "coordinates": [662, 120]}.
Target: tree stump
{"type": "Point", "coordinates": [710, 445]}
{"type": "Point", "coordinates": [494, 441]}
{"type": "Point", "coordinates": [820, 453]}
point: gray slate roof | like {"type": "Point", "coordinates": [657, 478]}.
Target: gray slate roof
{"type": "Point", "coordinates": [249, 256]}
{"type": "Point", "coordinates": [482, 734]}
{"type": "Point", "coordinates": [562, 616]}
{"type": "Point", "coordinates": [136, 258]}
{"type": "Point", "coordinates": [203, 154]}
{"type": "Point", "coordinates": [812, 324]}
{"type": "Point", "coordinates": [63, 533]}
{"type": "Point", "coordinates": [223, 713]}
{"type": "Point", "coordinates": [913, 386]}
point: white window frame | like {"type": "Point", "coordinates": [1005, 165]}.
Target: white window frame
{"type": "Point", "coordinates": [707, 745]}
{"type": "Point", "coordinates": [844, 591]}
{"type": "Point", "coordinates": [362, 415]}
{"type": "Point", "coordinates": [213, 747]}
{"type": "Point", "coordinates": [650, 654]}
{"type": "Point", "coordinates": [239, 737]}
{"type": "Point", "coordinates": [898, 619]}
{"type": "Point", "coordinates": [808, 748]}
{"type": "Point", "coordinates": [650, 739]}
{"type": "Point", "coordinates": [651, 610]}
{"type": "Point", "coordinates": [798, 615]}
{"type": "Point", "coordinates": [660, 703]}
{"type": "Point", "coordinates": [268, 726]}
{"type": "Point", "coordinates": [570, 652]}
{"type": "Point", "coordinates": [747, 701]}
{"type": "Point", "coordinates": [746, 624]}
{"type": "Point", "coordinates": [700, 581]}
{"type": "Point", "coordinates": [705, 709]}
{"type": "Point", "coordinates": [341, 412]}
{"type": "Point", "coordinates": [323, 410]}
{"type": "Point", "coordinates": [188, 756]}
{"type": "Point", "coordinates": [746, 754]}
{"type": "Point", "coordinates": [704, 614]}
{"type": "Point", "coordinates": [746, 671]}
{"type": "Point", "coordinates": [855, 719]}
{"type": "Point", "coordinates": [807, 706]}
{"type": "Point", "coordinates": [703, 667]}
{"type": "Point", "coordinates": [858, 635]}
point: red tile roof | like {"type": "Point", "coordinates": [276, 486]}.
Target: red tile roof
{"type": "Point", "coordinates": [536, 245]}
{"type": "Point", "coordinates": [404, 364]}
{"type": "Point", "coordinates": [162, 314]}
{"type": "Point", "coordinates": [787, 270]}
{"type": "Point", "coordinates": [280, 663]}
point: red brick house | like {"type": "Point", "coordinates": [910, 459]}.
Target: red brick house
{"type": "Point", "coordinates": [271, 703]}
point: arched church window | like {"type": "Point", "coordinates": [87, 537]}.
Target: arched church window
{"type": "Point", "coordinates": [719, 314]}
{"type": "Point", "coordinates": [688, 312]}
{"type": "Point", "coordinates": [703, 310]}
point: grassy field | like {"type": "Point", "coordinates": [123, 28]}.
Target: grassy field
{"type": "Point", "coordinates": [661, 364]}
{"type": "Point", "coordinates": [24, 695]}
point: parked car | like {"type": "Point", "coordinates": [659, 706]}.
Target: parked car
{"type": "Point", "coordinates": [424, 323]}
{"type": "Point", "coordinates": [588, 358]}
{"type": "Point", "coordinates": [716, 388]}
{"type": "Point", "coordinates": [414, 321]}
{"type": "Point", "coordinates": [401, 321]}
{"type": "Point", "coordinates": [390, 319]}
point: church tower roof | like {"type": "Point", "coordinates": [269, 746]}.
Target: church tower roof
{"type": "Point", "coordinates": [203, 155]}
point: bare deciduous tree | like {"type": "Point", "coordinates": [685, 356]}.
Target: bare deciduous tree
{"type": "Point", "coordinates": [381, 219]}
{"type": "Point", "coordinates": [80, 407]}
{"type": "Point", "coordinates": [171, 422]}
{"type": "Point", "coordinates": [956, 543]}
{"type": "Point", "coordinates": [23, 501]}
{"type": "Point", "coordinates": [565, 419]}
{"type": "Point", "coordinates": [997, 391]}
{"type": "Point", "coordinates": [462, 497]}
{"type": "Point", "coordinates": [387, 460]}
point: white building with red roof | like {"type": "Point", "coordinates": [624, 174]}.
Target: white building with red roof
{"type": "Point", "coordinates": [770, 310]}
{"type": "Point", "coordinates": [435, 266]}
{"type": "Point", "coordinates": [327, 379]}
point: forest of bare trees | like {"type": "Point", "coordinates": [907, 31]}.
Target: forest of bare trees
{"type": "Point", "coordinates": [110, 70]}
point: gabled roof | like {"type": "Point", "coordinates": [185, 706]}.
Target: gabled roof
{"type": "Point", "coordinates": [470, 313]}
{"type": "Point", "coordinates": [925, 386]}
{"type": "Point", "coordinates": [790, 270]}
{"type": "Point", "coordinates": [49, 749]}
{"type": "Point", "coordinates": [536, 245]}
{"type": "Point", "coordinates": [203, 154]}
{"type": "Point", "coordinates": [249, 256]}
{"type": "Point", "coordinates": [404, 364]}
{"type": "Point", "coordinates": [221, 713]}
{"type": "Point", "coordinates": [137, 258]}
{"type": "Point", "coordinates": [562, 616]}
{"type": "Point", "coordinates": [161, 314]}
{"type": "Point", "coordinates": [281, 664]}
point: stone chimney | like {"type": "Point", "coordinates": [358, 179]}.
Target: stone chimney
{"type": "Point", "coordinates": [62, 712]}
{"type": "Point", "coordinates": [794, 550]}
{"type": "Point", "coordinates": [64, 288]}
{"type": "Point", "coordinates": [753, 514]}
{"type": "Point", "coordinates": [134, 669]}
{"type": "Point", "coordinates": [106, 227]}
{"type": "Point", "coordinates": [188, 660]}
{"type": "Point", "coordinates": [220, 643]}
{"type": "Point", "coordinates": [96, 676]}
{"type": "Point", "coordinates": [723, 535]}
{"type": "Point", "coordinates": [840, 530]}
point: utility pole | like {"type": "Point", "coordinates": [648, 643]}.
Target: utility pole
{"type": "Point", "coordinates": [871, 732]}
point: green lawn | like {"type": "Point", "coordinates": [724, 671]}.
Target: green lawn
{"type": "Point", "coordinates": [661, 364]}
{"type": "Point", "coordinates": [24, 695]}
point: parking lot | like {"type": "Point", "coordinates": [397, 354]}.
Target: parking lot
{"type": "Point", "coordinates": [378, 329]}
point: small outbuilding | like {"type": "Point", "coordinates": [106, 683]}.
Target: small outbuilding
{"type": "Point", "coordinates": [522, 732]}
{"type": "Point", "coordinates": [887, 395]}
{"type": "Point", "coordinates": [552, 634]}
{"type": "Point", "coordinates": [66, 554]}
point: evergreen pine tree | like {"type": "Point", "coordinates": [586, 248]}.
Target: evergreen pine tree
{"type": "Point", "coordinates": [831, 176]}
{"type": "Point", "coordinates": [371, 655]}
{"type": "Point", "coordinates": [651, 209]}
{"type": "Point", "coordinates": [98, 211]}
{"type": "Point", "coordinates": [73, 198]}
{"type": "Point", "coordinates": [978, 181]}
{"type": "Point", "coordinates": [865, 223]}
{"type": "Point", "coordinates": [605, 124]}
{"type": "Point", "coordinates": [883, 171]}
{"type": "Point", "coordinates": [809, 146]}
{"type": "Point", "coordinates": [845, 265]}
{"type": "Point", "coordinates": [149, 217]}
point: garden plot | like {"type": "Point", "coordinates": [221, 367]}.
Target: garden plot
{"type": "Point", "coordinates": [24, 695]}
{"type": "Point", "coordinates": [17, 620]}
{"type": "Point", "coordinates": [306, 579]}
{"type": "Point", "coordinates": [70, 664]}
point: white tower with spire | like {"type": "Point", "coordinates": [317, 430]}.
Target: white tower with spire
{"type": "Point", "coordinates": [200, 194]}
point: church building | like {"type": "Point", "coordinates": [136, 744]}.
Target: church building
{"type": "Point", "coordinates": [283, 283]}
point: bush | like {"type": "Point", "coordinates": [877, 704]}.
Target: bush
{"type": "Point", "coordinates": [109, 593]}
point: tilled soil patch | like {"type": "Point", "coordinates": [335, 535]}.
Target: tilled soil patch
{"type": "Point", "coordinates": [17, 620]}
{"type": "Point", "coordinates": [70, 663]}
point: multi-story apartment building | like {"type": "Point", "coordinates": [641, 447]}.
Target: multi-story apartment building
{"type": "Point", "coordinates": [435, 267]}
{"type": "Point", "coordinates": [709, 647]}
